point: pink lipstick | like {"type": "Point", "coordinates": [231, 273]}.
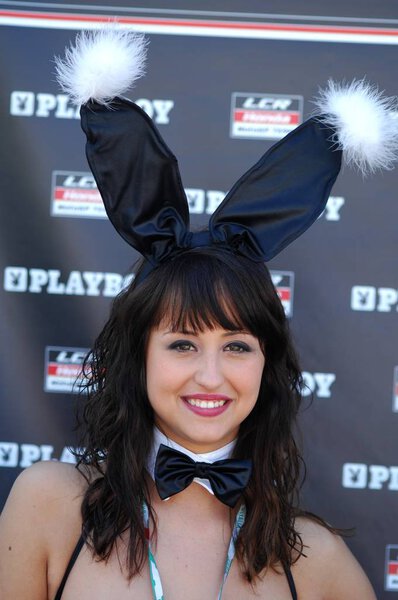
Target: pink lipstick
{"type": "Point", "coordinates": [207, 405]}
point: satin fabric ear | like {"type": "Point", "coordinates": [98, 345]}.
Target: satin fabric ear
{"type": "Point", "coordinates": [281, 196]}
{"type": "Point", "coordinates": [139, 181]}
{"type": "Point", "coordinates": [137, 176]}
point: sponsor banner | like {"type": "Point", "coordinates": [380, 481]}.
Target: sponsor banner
{"type": "Point", "coordinates": [391, 568]}
{"type": "Point", "coordinates": [369, 298]}
{"type": "Point", "coordinates": [371, 477]}
{"type": "Point", "coordinates": [62, 369]}
{"type": "Point", "coordinates": [43, 105]}
{"type": "Point", "coordinates": [264, 116]}
{"type": "Point", "coordinates": [395, 391]}
{"type": "Point", "coordinates": [318, 384]}
{"type": "Point", "coordinates": [13, 454]}
{"type": "Point", "coordinates": [284, 284]}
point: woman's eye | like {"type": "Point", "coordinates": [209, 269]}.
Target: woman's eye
{"type": "Point", "coordinates": [182, 346]}
{"type": "Point", "coordinates": [238, 347]}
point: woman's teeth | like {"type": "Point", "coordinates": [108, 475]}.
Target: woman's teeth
{"type": "Point", "coordinates": [204, 404]}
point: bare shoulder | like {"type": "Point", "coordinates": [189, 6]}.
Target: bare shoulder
{"type": "Point", "coordinates": [328, 566]}
{"type": "Point", "coordinates": [49, 477]}
{"type": "Point", "coordinates": [45, 484]}
{"type": "Point", "coordinates": [42, 514]}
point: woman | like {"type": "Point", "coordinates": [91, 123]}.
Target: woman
{"type": "Point", "coordinates": [201, 350]}
{"type": "Point", "coordinates": [193, 385]}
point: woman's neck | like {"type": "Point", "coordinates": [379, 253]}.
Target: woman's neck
{"type": "Point", "coordinates": [205, 455]}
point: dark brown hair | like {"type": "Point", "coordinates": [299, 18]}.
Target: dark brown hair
{"type": "Point", "coordinates": [199, 289]}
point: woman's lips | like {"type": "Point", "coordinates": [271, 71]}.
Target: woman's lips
{"type": "Point", "coordinates": [207, 405]}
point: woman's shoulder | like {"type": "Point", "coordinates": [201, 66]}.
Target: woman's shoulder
{"type": "Point", "coordinates": [46, 482]}
{"type": "Point", "coordinates": [49, 484]}
{"type": "Point", "coordinates": [43, 496]}
{"type": "Point", "coordinates": [328, 565]}
{"type": "Point", "coordinates": [46, 499]}
{"type": "Point", "coordinates": [47, 476]}
{"type": "Point", "coordinates": [317, 536]}
{"type": "Point", "coordinates": [39, 526]}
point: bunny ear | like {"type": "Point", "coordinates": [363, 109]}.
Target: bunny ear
{"type": "Point", "coordinates": [280, 196]}
{"type": "Point", "coordinates": [286, 191]}
{"type": "Point", "coordinates": [137, 176]}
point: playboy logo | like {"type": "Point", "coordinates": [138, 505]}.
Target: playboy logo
{"type": "Point", "coordinates": [24, 455]}
{"type": "Point", "coordinates": [372, 477]}
{"type": "Point", "coordinates": [369, 298]}
{"type": "Point", "coordinates": [30, 104]}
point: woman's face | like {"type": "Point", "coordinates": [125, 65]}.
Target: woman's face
{"type": "Point", "coordinates": [202, 386]}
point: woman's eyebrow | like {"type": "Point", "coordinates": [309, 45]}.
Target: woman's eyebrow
{"type": "Point", "coordinates": [180, 331]}
{"type": "Point", "coordinates": [237, 331]}
{"type": "Point", "coordinates": [197, 333]}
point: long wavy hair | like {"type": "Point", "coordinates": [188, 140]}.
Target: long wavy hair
{"type": "Point", "coordinates": [199, 289]}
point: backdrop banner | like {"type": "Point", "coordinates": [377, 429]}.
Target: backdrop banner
{"type": "Point", "coordinates": [222, 87]}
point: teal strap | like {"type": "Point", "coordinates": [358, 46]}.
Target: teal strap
{"type": "Point", "coordinates": [157, 590]}
{"type": "Point", "coordinates": [239, 520]}
{"type": "Point", "coordinates": [156, 584]}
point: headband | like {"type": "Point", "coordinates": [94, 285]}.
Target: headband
{"type": "Point", "coordinates": [266, 209]}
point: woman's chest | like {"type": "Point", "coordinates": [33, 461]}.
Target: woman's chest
{"type": "Point", "coordinates": [187, 567]}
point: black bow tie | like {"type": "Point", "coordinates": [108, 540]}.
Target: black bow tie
{"type": "Point", "coordinates": [174, 471]}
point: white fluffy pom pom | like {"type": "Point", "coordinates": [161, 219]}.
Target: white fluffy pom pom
{"type": "Point", "coordinates": [366, 124]}
{"type": "Point", "coordinates": [101, 65]}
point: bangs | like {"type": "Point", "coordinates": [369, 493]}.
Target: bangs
{"type": "Point", "coordinates": [199, 308]}
{"type": "Point", "coordinates": [203, 294]}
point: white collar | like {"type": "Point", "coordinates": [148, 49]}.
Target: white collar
{"type": "Point", "coordinates": [209, 457]}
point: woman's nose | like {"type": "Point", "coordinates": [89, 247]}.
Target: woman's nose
{"type": "Point", "coordinates": [209, 373]}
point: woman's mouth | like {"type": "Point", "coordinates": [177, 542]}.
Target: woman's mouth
{"type": "Point", "coordinates": [207, 405]}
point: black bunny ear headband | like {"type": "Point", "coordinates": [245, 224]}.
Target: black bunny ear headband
{"type": "Point", "coordinates": [267, 208]}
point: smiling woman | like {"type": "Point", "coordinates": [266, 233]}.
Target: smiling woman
{"type": "Point", "coordinates": [209, 374]}
{"type": "Point", "coordinates": [200, 349]}
{"type": "Point", "coordinates": [199, 370]}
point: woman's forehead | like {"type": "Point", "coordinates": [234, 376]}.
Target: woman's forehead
{"type": "Point", "coordinates": [194, 320]}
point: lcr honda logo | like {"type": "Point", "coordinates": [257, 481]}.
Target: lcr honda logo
{"type": "Point", "coordinates": [391, 568]}
{"type": "Point", "coordinates": [75, 194]}
{"type": "Point", "coordinates": [395, 390]}
{"type": "Point", "coordinates": [63, 369]}
{"type": "Point", "coordinates": [284, 285]}
{"type": "Point", "coordinates": [264, 116]}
